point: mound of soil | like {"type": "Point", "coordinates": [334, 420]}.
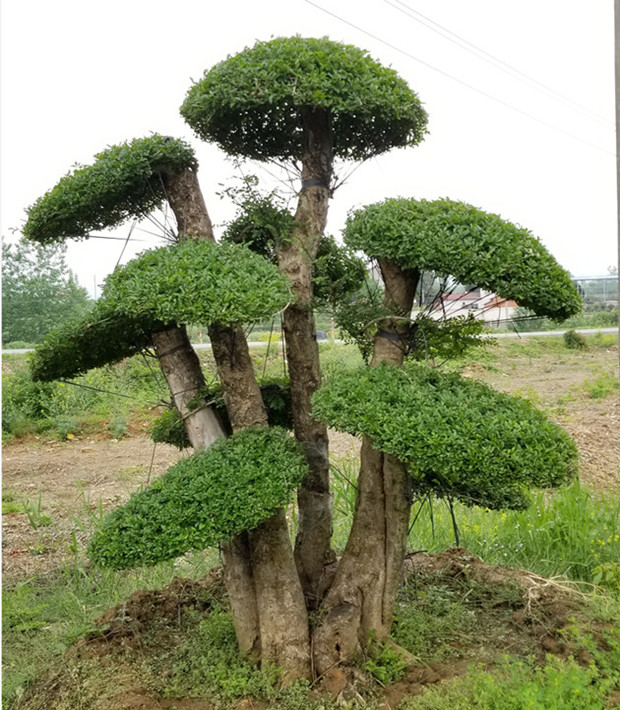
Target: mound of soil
{"type": "Point", "coordinates": [511, 611]}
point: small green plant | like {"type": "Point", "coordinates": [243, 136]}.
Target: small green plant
{"type": "Point", "coordinates": [118, 426]}
{"type": "Point", "coordinates": [386, 664]}
{"type": "Point", "coordinates": [603, 385]}
{"type": "Point", "coordinates": [574, 340]}
{"type": "Point", "coordinates": [607, 576]}
{"type": "Point", "coordinates": [66, 427]}
{"type": "Point", "coordinates": [36, 517]}
{"type": "Point", "coordinates": [9, 508]}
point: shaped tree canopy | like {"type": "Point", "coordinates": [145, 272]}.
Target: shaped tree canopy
{"type": "Point", "coordinates": [456, 239]}
{"type": "Point", "coordinates": [459, 438]}
{"type": "Point", "coordinates": [203, 500]}
{"type": "Point", "coordinates": [252, 104]}
{"type": "Point", "coordinates": [198, 281]}
{"type": "Point", "coordinates": [194, 282]}
{"type": "Point", "coordinates": [99, 338]}
{"type": "Point", "coordinates": [124, 182]}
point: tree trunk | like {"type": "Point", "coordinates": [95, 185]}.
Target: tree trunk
{"type": "Point", "coordinates": [362, 596]}
{"type": "Point", "coordinates": [282, 615]}
{"type": "Point", "coordinates": [181, 368]}
{"type": "Point", "coordinates": [296, 260]}
{"type": "Point", "coordinates": [188, 206]}
{"type": "Point", "coordinates": [266, 598]}
{"type": "Point", "coordinates": [185, 378]}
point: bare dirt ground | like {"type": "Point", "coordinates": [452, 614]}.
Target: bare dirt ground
{"type": "Point", "coordinates": [66, 483]}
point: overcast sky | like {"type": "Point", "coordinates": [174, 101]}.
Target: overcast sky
{"type": "Point", "coordinates": [79, 76]}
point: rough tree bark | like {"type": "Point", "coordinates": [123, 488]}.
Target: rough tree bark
{"type": "Point", "coordinates": [362, 596]}
{"type": "Point", "coordinates": [267, 603]}
{"type": "Point", "coordinates": [185, 379]}
{"type": "Point", "coordinates": [296, 258]}
{"type": "Point", "coordinates": [282, 615]}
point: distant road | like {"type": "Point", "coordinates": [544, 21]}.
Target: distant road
{"type": "Point", "coordinates": [535, 334]}
{"type": "Point", "coordinates": [544, 333]}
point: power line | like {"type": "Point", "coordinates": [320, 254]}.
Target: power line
{"type": "Point", "coordinates": [495, 61]}
{"type": "Point", "coordinates": [460, 81]}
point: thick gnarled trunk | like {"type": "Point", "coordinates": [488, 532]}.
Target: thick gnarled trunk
{"type": "Point", "coordinates": [362, 596]}
{"type": "Point", "coordinates": [296, 260]}
{"type": "Point", "coordinates": [281, 611]}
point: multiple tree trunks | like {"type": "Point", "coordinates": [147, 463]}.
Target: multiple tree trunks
{"type": "Point", "coordinates": [265, 580]}
{"type": "Point", "coordinates": [269, 564]}
{"type": "Point", "coordinates": [296, 261]}
{"type": "Point", "coordinates": [362, 597]}
{"type": "Point", "coordinates": [267, 603]}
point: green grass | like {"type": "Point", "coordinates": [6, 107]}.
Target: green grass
{"type": "Point", "coordinates": [58, 410]}
{"type": "Point", "coordinates": [567, 533]}
{"type": "Point", "coordinates": [43, 616]}
{"type": "Point", "coordinates": [603, 385]}
{"type": "Point", "coordinates": [521, 685]}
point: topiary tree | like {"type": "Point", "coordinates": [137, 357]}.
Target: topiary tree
{"type": "Point", "coordinates": [305, 102]}
{"type": "Point", "coordinates": [407, 236]}
{"type": "Point", "coordinates": [148, 303]}
{"type": "Point", "coordinates": [310, 102]}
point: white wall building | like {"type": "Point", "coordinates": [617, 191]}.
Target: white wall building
{"type": "Point", "coordinates": [487, 306]}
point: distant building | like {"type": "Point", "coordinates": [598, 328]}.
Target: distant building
{"type": "Point", "coordinates": [486, 306]}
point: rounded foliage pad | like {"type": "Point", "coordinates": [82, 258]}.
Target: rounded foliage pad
{"type": "Point", "coordinates": [198, 281]}
{"type": "Point", "coordinates": [124, 182]}
{"type": "Point", "coordinates": [459, 438]}
{"type": "Point", "coordinates": [203, 500]}
{"type": "Point", "coordinates": [99, 338]}
{"type": "Point", "coordinates": [251, 104]}
{"type": "Point", "coordinates": [475, 247]}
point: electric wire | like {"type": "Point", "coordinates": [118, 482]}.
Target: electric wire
{"type": "Point", "coordinates": [491, 59]}
{"type": "Point", "coordinates": [460, 81]}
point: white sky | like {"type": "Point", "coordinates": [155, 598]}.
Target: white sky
{"type": "Point", "coordinates": [78, 76]}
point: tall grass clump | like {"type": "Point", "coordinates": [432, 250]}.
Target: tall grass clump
{"type": "Point", "coordinates": [568, 533]}
{"type": "Point", "coordinates": [59, 408]}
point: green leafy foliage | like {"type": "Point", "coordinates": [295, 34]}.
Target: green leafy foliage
{"type": "Point", "coordinates": [231, 487]}
{"type": "Point", "coordinates": [475, 247]}
{"type": "Point", "coordinates": [198, 282]}
{"type": "Point", "coordinates": [385, 664]}
{"type": "Point", "coordinates": [446, 339]}
{"type": "Point", "coordinates": [338, 273]}
{"type": "Point", "coordinates": [168, 427]}
{"type": "Point", "coordinates": [99, 338]}
{"type": "Point", "coordinates": [460, 438]}
{"type": "Point", "coordinates": [38, 291]}
{"type": "Point", "coordinates": [358, 316]}
{"type": "Point", "coordinates": [125, 181]}
{"type": "Point", "coordinates": [261, 225]}
{"type": "Point", "coordinates": [252, 104]}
